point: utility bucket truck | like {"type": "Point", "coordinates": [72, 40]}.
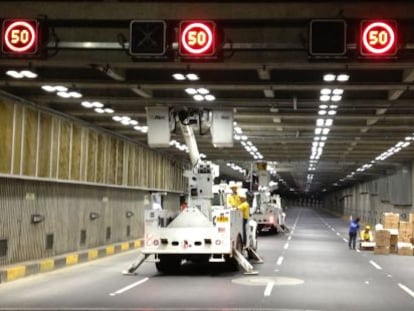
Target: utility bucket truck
{"type": "Point", "coordinates": [202, 232]}
{"type": "Point", "coordinates": [266, 208]}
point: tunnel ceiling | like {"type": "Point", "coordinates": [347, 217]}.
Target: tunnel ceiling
{"type": "Point", "coordinates": [263, 71]}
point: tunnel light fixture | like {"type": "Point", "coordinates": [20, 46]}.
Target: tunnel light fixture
{"type": "Point", "coordinates": [21, 74]}
{"type": "Point", "coordinates": [209, 97]}
{"type": "Point", "coordinates": [336, 98]}
{"type": "Point", "coordinates": [99, 110]}
{"type": "Point", "coordinates": [322, 112]}
{"type": "Point", "coordinates": [338, 92]}
{"type": "Point", "coordinates": [331, 112]}
{"type": "Point", "coordinates": [198, 97]}
{"type": "Point", "coordinates": [342, 77]}
{"type": "Point", "coordinates": [326, 91]}
{"type": "Point", "coordinates": [182, 77]}
{"type": "Point", "coordinates": [192, 76]}
{"type": "Point", "coordinates": [179, 76]}
{"type": "Point", "coordinates": [328, 122]}
{"type": "Point", "coordinates": [203, 91]}
{"type": "Point", "coordinates": [191, 91]}
{"type": "Point", "coordinates": [320, 122]}
{"type": "Point", "coordinates": [329, 77]}
{"type": "Point", "coordinates": [323, 106]}
{"type": "Point", "coordinates": [324, 98]}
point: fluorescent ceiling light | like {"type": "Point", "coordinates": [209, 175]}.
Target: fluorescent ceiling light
{"type": "Point", "coordinates": [333, 106]}
{"type": "Point", "coordinates": [408, 138]}
{"type": "Point", "coordinates": [323, 138]}
{"type": "Point", "coordinates": [109, 110]}
{"type": "Point", "coordinates": [336, 98]}
{"type": "Point", "coordinates": [87, 104]}
{"type": "Point", "coordinates": [14, 74]}
{"type": "Point", "coordinates": [237, 137]}
{"type": "Point", "coordinates": [28, 74]}
{"type": "Point", "coordinates": [329, 77]}
{"type": "Point", "coordinates": [324, 98]}
{"type": "Point", "coordinates": [325, 131]}
{"type": "Point", "coordinates": [123, 121]}
{"type": "Point", "coordinates": [316, 138]}
{"type": "Point", "coordinates": [192, 76]}
{"type": "Point", "coordinates": [191, 91]}
{"type": "Point", "coordinates": [133, 122]}
{"type": "Point", "coordinates": [178, 76]}
{"type": "Point", "coordinates": [116, 118]}
{"type": "Point", "coordinates": [269, 93]}
{"type": "Point", "coordinates": [326, 91]}
{"type": "Point", "coordinates": [97, 104]}
{"type": "Point", "coordinates": [322, 112]}
{"type": "Point", "coordinates": [203, 91]}
{"type": "Point", "coordinates": [323, 106]}
{"type": "Point", "coordinates": [125, 118]}
{"type": "Point", "coordinates": [319, 122]}
{"type": "Point", "coordinates": [139, 128]}
{"type": "Point", "coordinates": [210, 97]}
{"type": "Point", "coordinates": [406, 144]}
{"type": "Point", "coordinates": [61, 88]}
{"type": "Point", "coordinates": [198, 97]}
{"type": "Point", "coordinates": [331, 112]}
{"type": "Point", "coordinates": [244, 137]}
{"type": "Point", "coordinates": [99, 110]}
{"type": "Point", "coordinates": [63, 94]}
{"type": "Point", "coordinates": [238, 130]}
{"type": "Point", "coordinates": [338, 92]}
{"type": "Point", "coordinates": [342, 78]}
{"type": "Point", "coordinates": [318, 131]}
{"type": "Point", "coordinates": [328, 122]}
{"type": "Point", "coordinates": [250, 143]}
{"type": "Point", "coordinates": [48, 88]}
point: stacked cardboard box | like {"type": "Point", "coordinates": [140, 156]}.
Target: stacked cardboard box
{"type": "Point", "coordinates": [390, 220]}
{"type": "Point", "coordinates": [411, 221]}
{"type": "Point", "coordinates": [405, 233]}
{"type": "Point", "coordinates": [382, 242]}
{"type": "Point", "coordinates": [405, 249]}
{"type": "Point", "coordinates": [393, 243]}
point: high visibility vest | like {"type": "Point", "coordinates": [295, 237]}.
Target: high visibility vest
{"type": "Point", "coordinates": [245, 209]}
{"type": "Point", "coordinates": [233, 200]}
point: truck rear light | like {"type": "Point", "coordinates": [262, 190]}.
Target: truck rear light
{"type": "Point", "coordinates": [271, 219]}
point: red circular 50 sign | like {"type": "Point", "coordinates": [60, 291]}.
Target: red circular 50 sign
{"type": "Point", "coordinates": [378, 38]}
{"type": "Point", "coordinates": [20, 36]}
{"type": "Point", "coordinates": [197, 38]}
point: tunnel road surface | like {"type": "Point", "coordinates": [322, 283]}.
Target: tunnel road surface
{"type": "Point", "coordinates": [308, 268]}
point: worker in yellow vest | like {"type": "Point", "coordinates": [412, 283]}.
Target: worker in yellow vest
{"type": "Point", "coordinates": [366, 234]}
{"type": "Point", "coordinates": [244, 207]}
{"type": "Point", "coordinates": [233, 200]}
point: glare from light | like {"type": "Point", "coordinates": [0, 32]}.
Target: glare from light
{"type": "Point", "coordinates": [192, 76]}
{"type": "Point", "coordinates": [324, 98]}
{"type": "Point", "coordinates": [178, 76]}
{"type": "Point", "coordinates": [203, 91]}
{"type": "Point", "coordinates": [198, 97]}
{"type": "Point", "coordinates": [326, 92]}
{"type": "Point", "coordinates": [329, 77]}
{"type": "Point", "coordinates": [322, 112]}
{"type": "Point", "coordinates": [331, 112]}
{"type": "Point", "coordinates": [338, 92]}
{"type": "Point", "coordinates": [191, 91]}
{"type": "Point", "coordinates": [209, 97]}
{"type": "Point", "coordinates": [336, 98]}
{"type": "Point", "coordinates": [99, 110]}
{"type": "Point", "coordinates": [342, 78]}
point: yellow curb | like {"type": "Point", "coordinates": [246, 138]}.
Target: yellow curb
{"type": "Point", "coordinates": [92, 254]}
{"type": "Point", "coordinates": [71, 259]}
{"type": "Point", "coordinates": [47, 265]}
{"type": "Point", "coordinates": [110, 250]}
{"type": "Point", "coordinates": [125, 246]}
{"type": "Point", "coordinates": [15, 272]}
{"type": "Point", "coordinates": [137, 243]}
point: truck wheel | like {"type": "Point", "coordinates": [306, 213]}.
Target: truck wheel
{"type": "Point", "coordinates": [168, 264]}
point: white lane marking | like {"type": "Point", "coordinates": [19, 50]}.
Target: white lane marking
{"type": "Point", "coordinates": [280, 260]}
{"type": "Point", "coordinates": [389, 276]}
{"type": "Point", "coordinates": [338, 234]}
{"type": "Point", "coordinates": [367, 282]}
{"type": "Point", "coordinates": [286, 246]}
{"type": "Point", "coordinates": [124, 289]}
{"type": "Point", "coordinates": [269, 288]}
{"type": "Point", "coordinates": [358, 251]}
{"type": "Point", "coordinates": [406, 289]}
{"type": "Point", "coordinates": [375, 264]}
{"type": "Point", "coordinates": [345, 240]}
{"type": "Point", "coordinates": [289, 238]}
{"type": "Point", "coordinates": [333, 229]}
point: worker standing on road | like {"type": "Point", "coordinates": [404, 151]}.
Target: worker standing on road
{"type": "Point", "coordinates": [353, 230]}
{"type": "Point", "coordinates": [244, 207]}
{"type": "Point", "coordinates": [366, 235]}
{"type": "Point", "coordinates": [233, 200]}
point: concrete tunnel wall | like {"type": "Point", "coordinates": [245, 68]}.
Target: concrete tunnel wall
{"type": "Point", "coordinates": [64, 171]}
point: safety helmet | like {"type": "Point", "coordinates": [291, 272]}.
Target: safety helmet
{"type": "Point", "coordinates": [368, 227]}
